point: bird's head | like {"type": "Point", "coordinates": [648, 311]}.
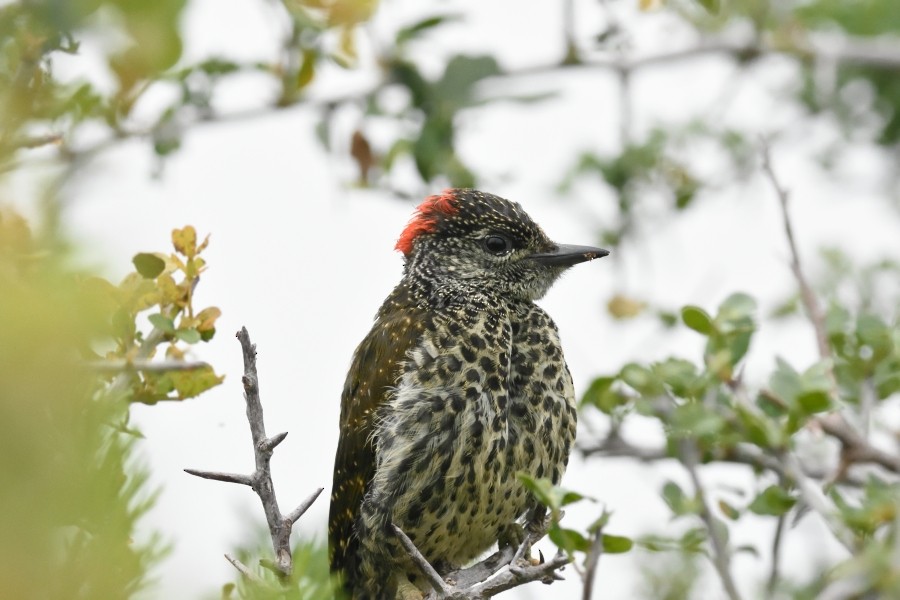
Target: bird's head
{"type": "Point", "coordinates": [466, 239]}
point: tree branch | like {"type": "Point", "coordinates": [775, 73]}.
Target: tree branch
{"type": "Point", "coordinates": [422, 563]}
{"type": "Point", "coordinates": [615, 446]}
{"type": "Point", "coordinates": [855, 447]}
{"type": "Point", "coordinates": [243, 569]}
{"type": "Point", "coordinates": [505, 569]}
{"type": "Point", "coordinates": [590, 564]}
{"type": "Point", "coordinates": [261, 479]}
{"type": "Point", "coordinates": [146, 366]}
{"type": "Point", "coordinates": [808, 297]}
{"type": "Point", "coordinates": [721, 553]}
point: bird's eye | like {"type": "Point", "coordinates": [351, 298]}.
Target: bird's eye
{"type": "Point", "coordinates": [497, 244]}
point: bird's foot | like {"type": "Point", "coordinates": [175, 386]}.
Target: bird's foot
{"type": "Point", "coordinates": [407, 591]}
{"type": "Point", "coordinates": [512, 534]}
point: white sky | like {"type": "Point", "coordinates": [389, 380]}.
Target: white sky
{"type": "Point", "coordinates": [303, 260]}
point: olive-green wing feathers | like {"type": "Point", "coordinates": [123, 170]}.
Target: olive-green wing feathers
{"type": "Point", "coordinates": [373, 373]}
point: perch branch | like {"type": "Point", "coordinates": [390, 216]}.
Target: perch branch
{"type": "Point", "coordinates": [505, 569]}
{"type": "Point", "coordinates": [261, 478]}
{"type": "Point", "coordinates": [424, 566]}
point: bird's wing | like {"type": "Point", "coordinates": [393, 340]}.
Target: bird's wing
{"type": "Point", "coordinates": [373, 373]}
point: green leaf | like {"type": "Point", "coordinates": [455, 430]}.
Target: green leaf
{"type": "Point", "coordinates": [711, 6]}
{"type": "Point", "coordinates": [616, 544]}
{"type": "Point", "coordinates": [737, 306]}
{"type": "Point", "coordinates": [415, 30]}
{"type": "Point", "coordinates": [148, 265]}
{"type": "Point", "coordinates": [814, 401]}
{"type": "Point", "coordinates": [455, 89]}
{"type": "Point", "coordinates": [641, 379]}
{"type": "Point", "coordinates": [676, 499]}
{"type": "Point", "coordinates": [695, 420]}
{"type": "Point", "coordinates": [729, 511]}
{"type": "Point", "coordinates": [693, 539]}
{"type": "Point", "coordinates": [697, 319]}
{"type": "Point", "coordinates": [162, 323]}
{"type": "Point", "coordinates": [773, 501]}
{"type": "Point", "coordinates": [189, 384]}
{"type": "Point", "coordinates": [601, 395]}
{"type": "Point", "coordinates": [191, 336]}
{"type": "Point", "coordinates": [601, 522]}
{"type": "Point", "coordinates": [785, 382]}
{"type": "Point", "coordinates": [681, 377]}
{"type": "Point", "coordinates": [569, 539]}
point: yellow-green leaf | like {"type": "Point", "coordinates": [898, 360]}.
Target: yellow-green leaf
{"type": "Point", "coordinates": [148, 265]}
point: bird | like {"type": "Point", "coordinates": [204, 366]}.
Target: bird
{"type": "Point", "coordinates": [460, 385]}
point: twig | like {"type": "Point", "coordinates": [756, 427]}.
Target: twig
{"type": "Point", "coordinates": [855, 447]}
{"type": "Point", "coordinates": [590, 564]}
{"type": "Point", "coordinates": [420, 561]}
{"type": "Point", "coordinates": [721, 553]}
{"type": "Point", "coordinates": [776, 556]}
{"type": "Point", "coordinates": [146, 366]}
{"type": "Point", "coordinates": [298, 512]}
{"type": "Point", "coordinates": [261, 479]}
{"type": "Point", "coordinates": [810, 303]}
{"type": "Point", "coordinates": [817, 501]}
{"type": "Point", "coordinates": [505, 569]}
{"type": "Point", "coordinates": [745, 454]}
{"type": "Point", "coordinates": [226, 477]}
{"type": "Point", "coordinates": [243, 569]}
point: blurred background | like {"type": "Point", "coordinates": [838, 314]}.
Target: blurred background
{"type": "Point", "coordinates": [683, 135]}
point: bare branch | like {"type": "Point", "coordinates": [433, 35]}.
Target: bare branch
{"type": "Point", "coordinates": [721, 553]}
{"type": "Point", "coordinates": [505, 569]}
{"type": "Point", "coordinates": [590, 564]}
{"type": "Point", "coordinates": [269, 444]}
{"type": "Point", "coordinates": [515, 575]}
{"type": "Point", "coordinates": [855, 447]}
{"type": "Point", "coordinates": [243, 569]}
{"type": "Point", "coordinates": [810, 302]}
{"type": "Point", "coordinates": [298, 512]}
{"type": "Point", "coordinates": [226, 477]}
{"type": "Point", "coordinates": [422, 563]}
{"type": "Point", "coordinates": [776, 555]}
{"type": "Point", "coordinates": [261, 479]}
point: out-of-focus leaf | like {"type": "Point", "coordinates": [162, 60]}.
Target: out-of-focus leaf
{"type": "Point", "coordinates": [414, 31]}
{"type": "Point", "coordinates": [569, 540]}
{"type": "Point", "coordinates": [773, 500]}
{"type": "Point", "coordinates": [622, 307]}
{"type": "Point", "coordinates": [616, 544]}
{"type": "Point", "coordinates": [148, 265]}
{"type": "Point", "coordinates": [162, 323]}
{"type": "Point", "coordinates": [697, 319]}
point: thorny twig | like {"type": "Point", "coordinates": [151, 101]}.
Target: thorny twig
{"type": "Point", "coordinates": [261, 479]}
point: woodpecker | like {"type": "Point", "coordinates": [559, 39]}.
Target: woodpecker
{"type": "Point", "coordinates": [460, 384]}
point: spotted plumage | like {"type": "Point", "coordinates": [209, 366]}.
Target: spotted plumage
{"type": "Point", "coordinates": [460, 384]}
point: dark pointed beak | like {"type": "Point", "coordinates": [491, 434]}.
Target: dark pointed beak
{"type": "Point", "coordinates": [566, 255]}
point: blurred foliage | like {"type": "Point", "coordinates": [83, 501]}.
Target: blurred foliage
{"type": "Point", "coordinates": [74, 489]}
{"type": "Point", "coordinates": [310, 580]}
{"type": "Point", "coordinates": [763, 426]}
